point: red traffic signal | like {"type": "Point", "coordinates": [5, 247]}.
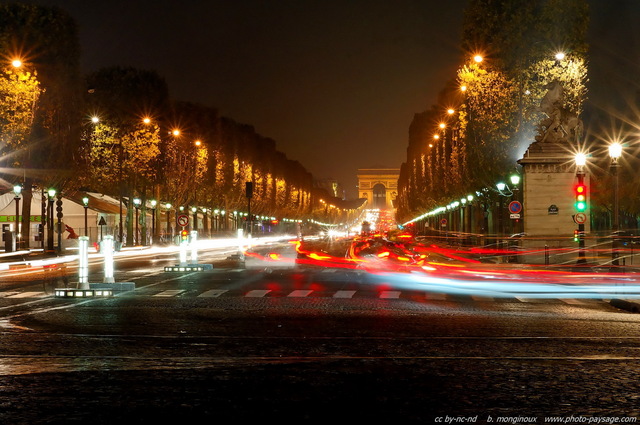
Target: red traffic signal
{"type": "Point", "coordinates": [184, 235]}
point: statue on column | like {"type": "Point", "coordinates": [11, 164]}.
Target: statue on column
{"type": "Point", "coordinates": [561, 124]}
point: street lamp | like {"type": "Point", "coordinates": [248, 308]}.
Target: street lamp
{"type": "Point", "coordinates": [615, 152]}
{"type": "Point", "coordinates": [515, 181]}
{"type": "Point", "coordinates": [153, 219]}
{"type": "Point", "coordinates": [136, 203]}
{"type": "Point", "coordinates": [168, 207]}
{"type": "Point", "coordinates": [52, 193]}
{"type": "Point", "coordinates": [17, 189]}
{"type": "Point", "coordinates": [85, 201]}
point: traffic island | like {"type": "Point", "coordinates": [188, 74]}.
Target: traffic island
{"type": "Point", "coordinates": [633, 307]}
{"type": "Point", "coordinates": [184, 267]}
{"type": "Point", "coordinates": [189, 268]}
{"type": "Point", "coordinates": [108, 287]}
{"type": "Point", "coordinates": [82, 293]}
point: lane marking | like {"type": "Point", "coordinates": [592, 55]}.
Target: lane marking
{"type": "Point", "coordinates": [170, 293]}
{"type": "Point", "coordinates": [389, 294]}
{"type": "Point", "coordinates": [344, 294]}
{"type": "Point", "coordinates": [213, 293]}
{"type": "Point", "coordinates": [482, 298]}
{"type": "Point", "coordinates": [38, 294]}
{"type": "Point", "coordinates": [257, 293]}
{"type": "Point", "coordinates": [571, 301]}
{"type": "Point", "coordinates": [300, 293]}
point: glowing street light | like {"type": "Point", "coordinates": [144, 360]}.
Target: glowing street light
{"type": "Point", "coordinates": [560, 56]}
{"type": "Point", "coordinates": [615, 152]}
{"type": "Point", "coordinates": [85, 202]}
{"type": "Point", "coordinates": [478, 58]}
{"type": "Point", "coordinates": [136, 203]}
{"type": "Point", "coordinates": [16, 63]}
{"type": "Point", "coordinates": [168, 207]}
{"type": "Point", "coordinates": [17, 189]}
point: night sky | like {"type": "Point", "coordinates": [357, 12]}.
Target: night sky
{"type": "Point", "coordinates": [336, 82]}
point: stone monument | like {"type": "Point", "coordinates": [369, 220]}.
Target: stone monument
{"type": "Point", "coordinates": [550, 174]}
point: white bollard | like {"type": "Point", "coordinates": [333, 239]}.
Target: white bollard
{"type": "Point", "coordinates": [194, 247]}
{"type": "Point", "coordinates": [183, 252]}
{"type": "Point", "coordinates": [83, 260]}
{"type": "Point", "coordinates": [106, 247]}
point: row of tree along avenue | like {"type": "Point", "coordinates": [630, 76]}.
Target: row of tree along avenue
{"type": "Point", "coordinates": [490, 113]}
{"type": "Point", "coordinates": [118, 132]}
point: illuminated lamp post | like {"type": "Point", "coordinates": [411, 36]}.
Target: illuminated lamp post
{"type": "Point", "coordinates": [501, 186]}
{"type": "Point", "coordinates": [470, 220]}
{"type": "Point", "coordinates": [85, 201]}
{"type": "Point", "coordinates": [515, 181]}
{"type": "Point", "coordinates": [168, 234]}
{"type": "Point", "coordinates": [136, 204]}
{"type": "Point", "coordinates": [615, 152]}
{"type": "Point", "coordinates": [17, 189]}
{"type": "Point", "coordinates": [154, 203]}
{"type": "Point", "coordinates": [52, 194]}
{"type": "Point", "coordinates": [463, 216]}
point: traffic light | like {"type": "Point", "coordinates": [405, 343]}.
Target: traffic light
{"type": "Point", "coordinates": [184, 235]}
{"type": "Point", "coordinates": [581, 197]}
{"type": "Point", "coordinates": [576, 235]}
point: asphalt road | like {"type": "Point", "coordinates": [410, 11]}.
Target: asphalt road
{"type": "Point", "coordinates": [308, 345]}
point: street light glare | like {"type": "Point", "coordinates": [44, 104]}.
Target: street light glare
{"type": "Point", "coordinates": [478, 58]}
{"type": "Point", "coordinates": [560, 56]}
{"type": "Point", "coordinates": [615, 150]}
{"type": "Point", "coordinates": [17, 63]}
{"type": "Point", "coordinates": [95, 119]}
{"type": "Point", "coordinates": [581, 159]}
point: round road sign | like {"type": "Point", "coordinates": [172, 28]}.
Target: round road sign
{"type": "Point", "coordinates": [580, 218]}
{"type": "Point", "coordinates": [182, 220]}
{"type": "Point", "coordinates": [443, 222]}
{"type": "Point", "coordinates": [515, 207]}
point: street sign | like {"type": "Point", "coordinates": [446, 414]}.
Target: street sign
{"type": "Point", "coordinates": [580, 218]}
{"type": "Point", "coordinates": [514, 215]}
{"type": "Point", "coordinates": [515, 207]}
{"type": "Point", "coordinates": [443, 222]}
{"type": "Point", "coordinates": [182, 220]}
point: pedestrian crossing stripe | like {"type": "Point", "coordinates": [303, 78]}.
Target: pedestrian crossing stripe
{"type": "Point", "coordinates": [213, 293]}
{"type": "Point", "coordinates": [344, 294]}
{"type": "Point", "coordinates": [38, 294]}
{"type": "Point", "coordinates": [170, 293]}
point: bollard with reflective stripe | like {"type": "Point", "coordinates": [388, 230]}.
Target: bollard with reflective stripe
{"type": "Point", "coordinates": [83, 260]}
{"type": "Point", "coordinates": [107, 249]}
{"type": "Point", "coordinates": [194, 248]}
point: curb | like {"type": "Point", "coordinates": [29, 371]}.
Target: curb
{"type": "Point", "coordinates": [633, 307]}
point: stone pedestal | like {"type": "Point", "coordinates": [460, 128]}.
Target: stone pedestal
{"type": "Point", "coordinates": [550, 175]}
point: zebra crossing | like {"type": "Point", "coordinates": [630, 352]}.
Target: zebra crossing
{"type": "Point", "coordinates": [352, 294]}
{"type": "Point", "coordinates": [334, 294]}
